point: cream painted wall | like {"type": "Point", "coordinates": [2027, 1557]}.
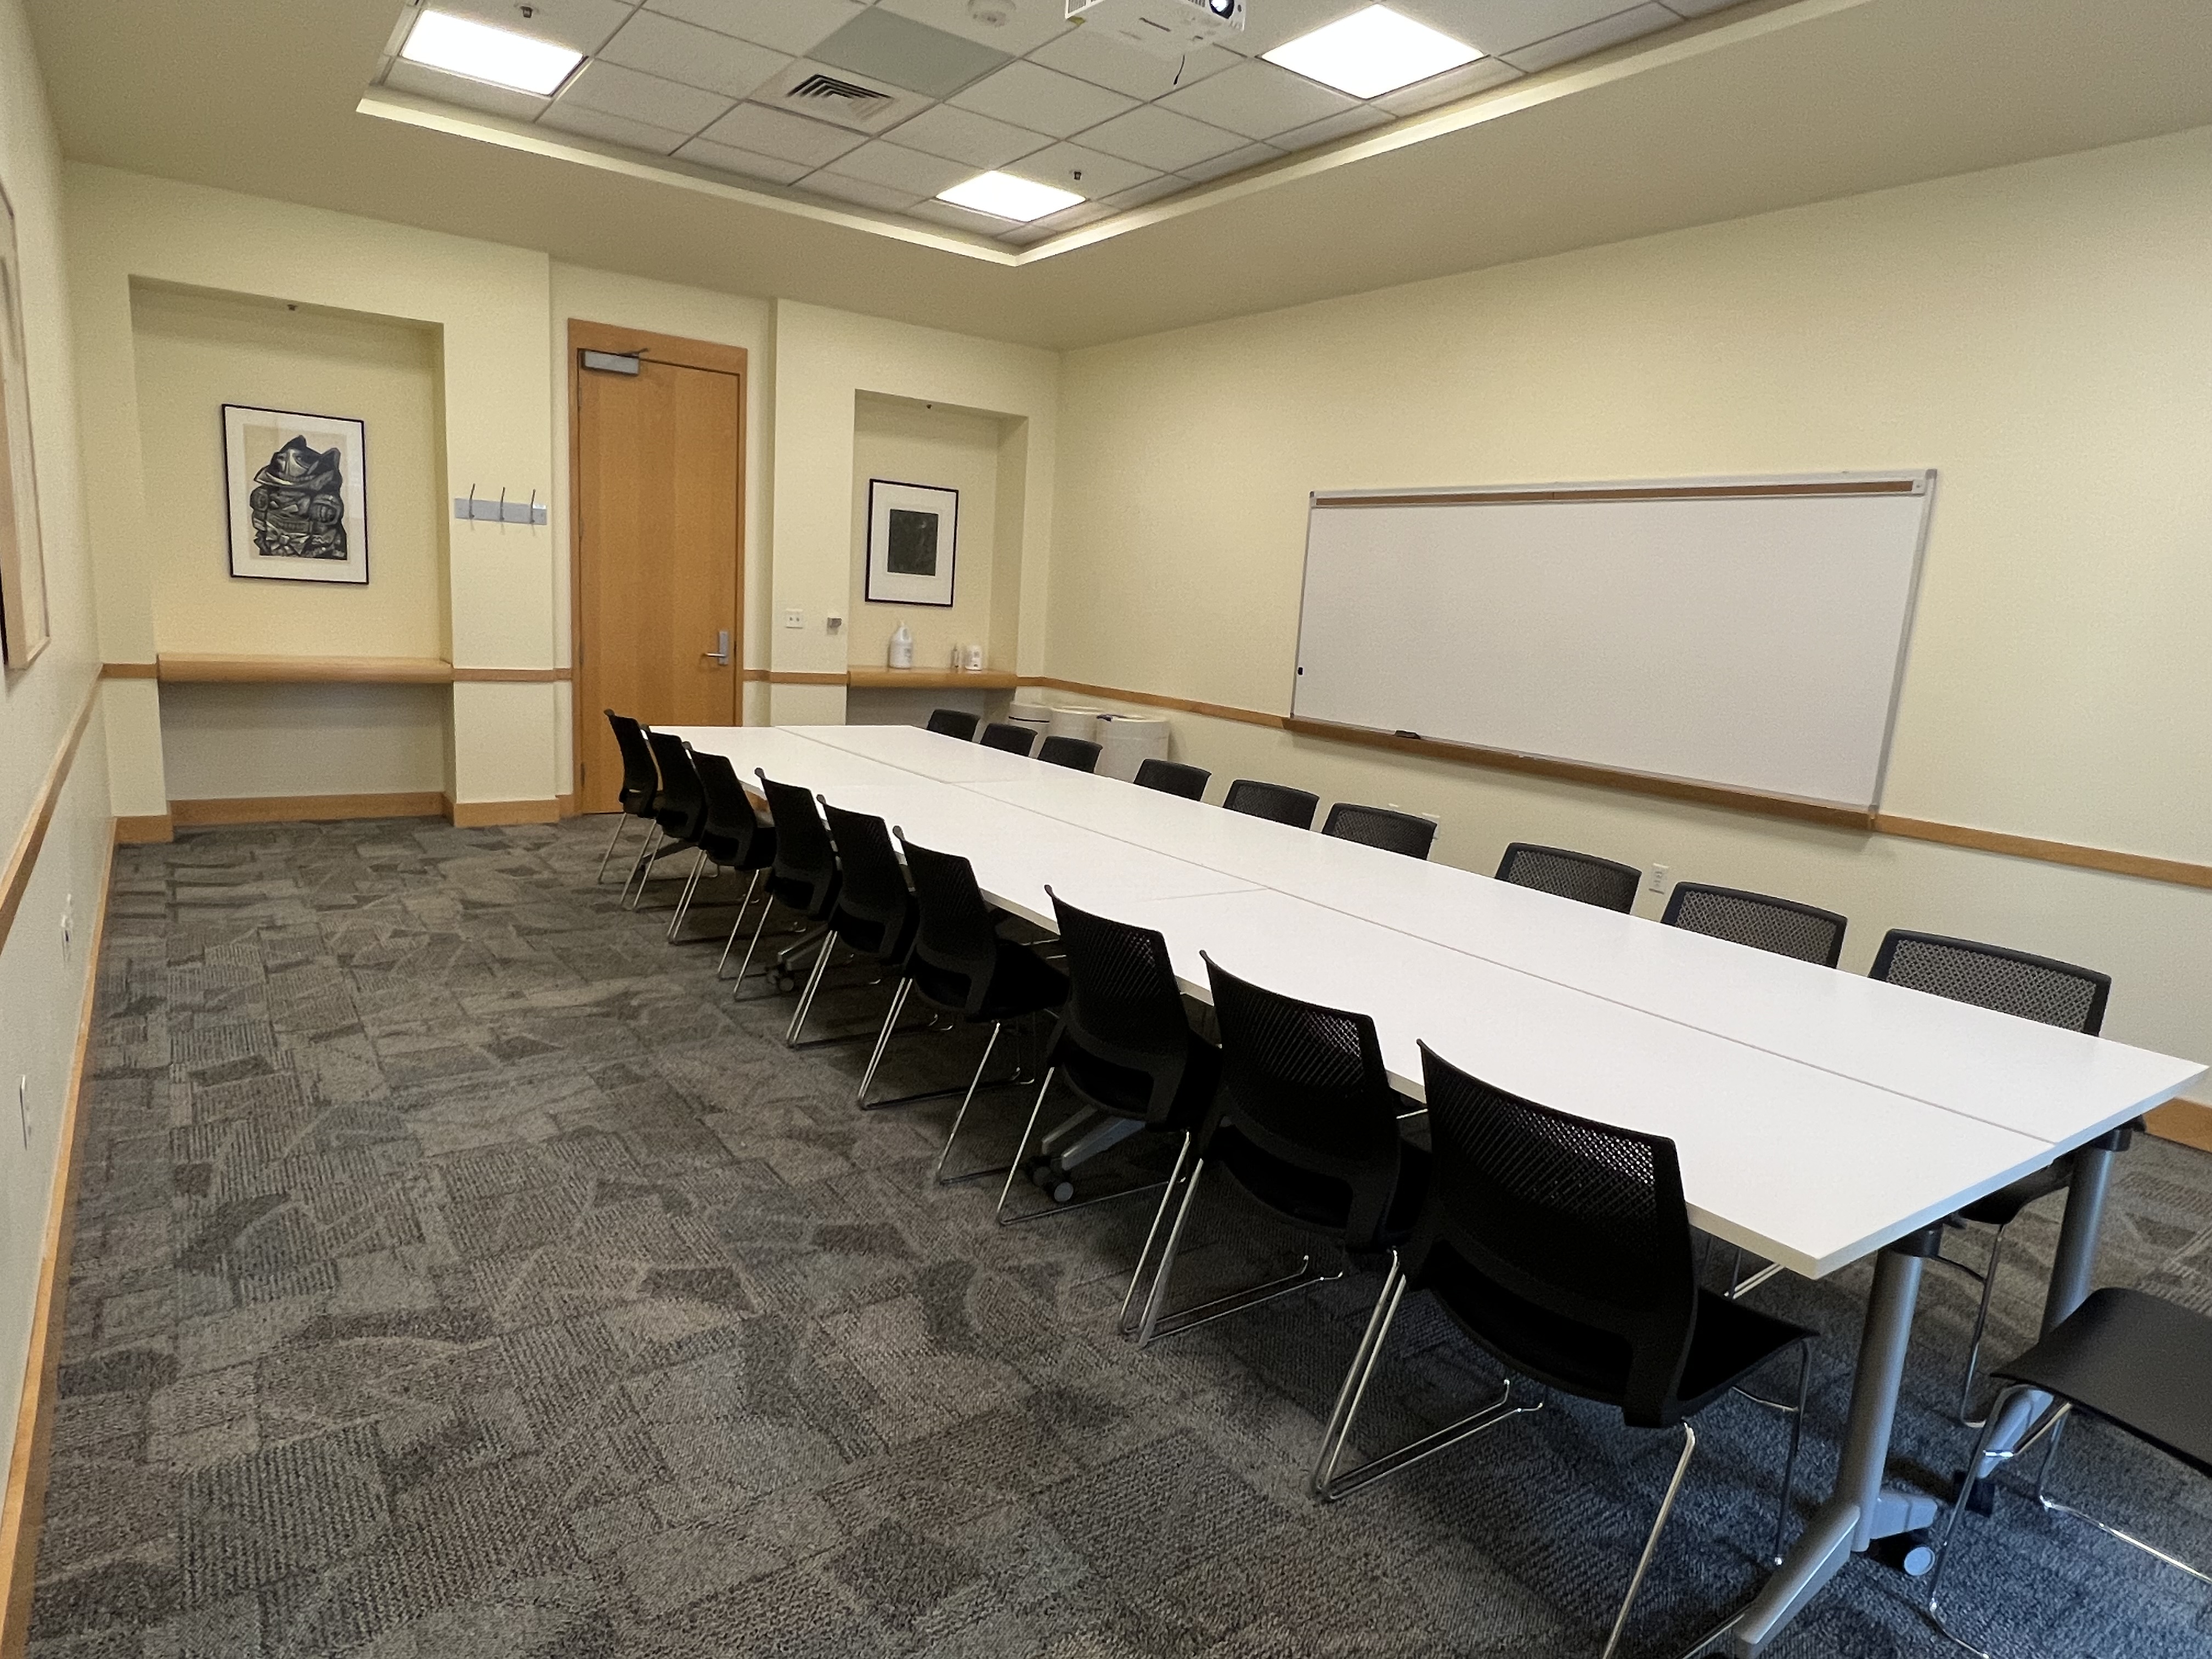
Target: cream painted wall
{"type": "Point", "coordinates": [945, 449]}
{"type": "Point", "coordinates": [43, 979]}
{"type": "Point", "coordinates": [2039, 333]}
{"type": "Point", "coordinates": [223, 742]}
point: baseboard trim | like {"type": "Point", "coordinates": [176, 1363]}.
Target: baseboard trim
{"type": "Point", "coordinates": [149, 827]}
{"type": "Point", "coordinates": [565, 804]}
{"type": "Point", "coordinates": [305, 809]}
{"type": "Point", "coordinates": [22, 1505]}
{"type": "Point", "coordinates": [486, 814]}
{"type": "Point", "coordinates": [2188, 1121]}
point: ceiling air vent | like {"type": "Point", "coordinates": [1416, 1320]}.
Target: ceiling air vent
{"type": "Point", "coordinates": [842, 96]}
{"type": "Point", "coordinates": [828, 86]}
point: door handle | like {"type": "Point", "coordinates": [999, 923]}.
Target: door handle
{"type": "Point", "coordinates": [721, 654]}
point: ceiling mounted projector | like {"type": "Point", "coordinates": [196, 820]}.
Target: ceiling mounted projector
{"type": "Point", "coordinates": [1166, 28]}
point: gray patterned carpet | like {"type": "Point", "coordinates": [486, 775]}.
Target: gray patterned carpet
{"type": "Point", "coordinates": [458, 1271]}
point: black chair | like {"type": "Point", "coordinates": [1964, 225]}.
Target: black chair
{"type": "Point", "coordinates": [953, 723]}
{"type": "Point", "coordinates": [1306, 1124]}
{"type": "Point", "coordinates": [1782, 926]}
{"type": "Point", "coordinates": [1563, 1248]}
{"type": "Point", "coordinates": [1124, 1048]}
{"type": "Point", "coordinates": [804, 878]}
{"type": "Point", "coordinates": [2011, 982]}
{"type": "Point", "coordinates": [1275, 801]}
{"type": "Point", "coordinates": [678, 809]}
{"type": "Point", "coordinates": [1381, 826]}
{"type": "Point", "coordinates": [960, 964]}
{"type": "Point", "coordinates": [2126, 1357]}
{"type": "Point", "coordinates": [731, 837]}
{"type": "Point", "coordinates": [1173, 777]}
{"type": "Point", "coordinates": [1014, 740]}
{"type": "Point", "coordinates": [873, 915]}
{"type": "Point", "coordinates": [1077, 754]}
{"type": "Point", "coordinates": [1579, 876]}
{"type": "Point", "coordinates": [641, 782]}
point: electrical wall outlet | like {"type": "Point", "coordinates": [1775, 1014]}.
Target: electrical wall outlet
{"type": "Point", "coordinates": [1657, 882]}
{"type": "Point", "coordinates": [794, 618]}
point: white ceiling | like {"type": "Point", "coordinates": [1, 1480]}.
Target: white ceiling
{"type": "Point", "coordinates": [1035, 95]}
{"type": "Point", "coordinates": [1763, 107]}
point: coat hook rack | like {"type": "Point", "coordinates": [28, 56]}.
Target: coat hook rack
{"type": "Point", "coordinates": [500, 510]}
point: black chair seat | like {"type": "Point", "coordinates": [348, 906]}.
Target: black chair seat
{"type": "Point", "coordinates": [2140, 1362]}
{"type": "Point", "coordinates": [2000, 1207]}
{"type": "Point", "coordinates": [1021, 982]}
{"type": "Point", "coordinates": [1319, 1202]}
{"type": "Point", "coordinates": [1128, 1092]}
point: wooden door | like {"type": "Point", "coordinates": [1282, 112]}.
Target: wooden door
{"type": "Point", "coordinates": [657, 515]}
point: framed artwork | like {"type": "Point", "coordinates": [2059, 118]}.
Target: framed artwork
{"type": "Point", "coordinates": [299, 511]}
{"type": "Point", "coordinates": [23, 562]}
{"type": "Point", "coordinates": [914, 534]}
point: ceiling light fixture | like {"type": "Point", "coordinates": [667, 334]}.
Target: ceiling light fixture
{"type": "Point", "coordinates": [1006, 197]}
{"type": "Point", "coordinates": [461, 45]}
{"type": "Point", "coordinates": [1371, 52]}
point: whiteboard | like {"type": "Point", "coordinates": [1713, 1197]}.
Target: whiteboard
{"type": "Point", "coordinates": [1748, 633]}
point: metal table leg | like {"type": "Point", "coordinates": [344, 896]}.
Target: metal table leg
{"type": "Point", "coordinates": [1860, 1508]}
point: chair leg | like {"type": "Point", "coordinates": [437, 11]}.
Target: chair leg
{"type": "Point", "coordinates": [759, 927]}
{"type": "Point", "coordinates": [621, 823]}
{"type": "Point", "coordinates": [1158, 1291]}
{"type": "Point", "coordinates": [1796, 1440]}
{"type": "Point", "coordinates": [738, 922]}
{"type": "Point", "coordinates": [883, 1040]}
{"type": "Point", "coordinates": [1157, 1324]}
{"type": "Point", "coordinates": [1651, 1542]}
{"type": "Point", "coordinates": [1353, 1388]}
{"type": "Point", "coordinates": [1159, 1214]}
{"type": "Point", "coordinates": [807, 996]}
{"type": "Point", "coordinates": [1991, 1424]}
{"type": "Point", "coordinates": [641, 870]}
{"type": "Point", "coordinates": [967, 1100]}
{"type": "Point", "coordinates": [1022, 1146]}
{"type": "Point", "coordinates": [683, 898]}
{"type": "Point", "coordinates": [1981, 1325]}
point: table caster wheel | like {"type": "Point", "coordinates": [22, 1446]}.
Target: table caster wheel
{"type": "Point", "coordinates": [781, 983]}
{"type": "Point", "coordinates": [1912, 1553]}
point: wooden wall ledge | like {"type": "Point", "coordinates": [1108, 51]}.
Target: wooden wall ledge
{"type": "Point", "coordinates": [193, 668]}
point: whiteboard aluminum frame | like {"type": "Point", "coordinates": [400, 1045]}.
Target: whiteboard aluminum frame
{"type": "Point", "coordinates": [1919, 482]}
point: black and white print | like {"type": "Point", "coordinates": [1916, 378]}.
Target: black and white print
{"type": "Point", "coordinates": [297, 497]}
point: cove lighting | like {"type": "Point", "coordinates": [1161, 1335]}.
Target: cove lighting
{"type": "Point", "coordinates": [1371, 52]}
{"type": "Point", "coordinates": [461, 45]}
{"type": "Point", "coordinates": [1008, 197]}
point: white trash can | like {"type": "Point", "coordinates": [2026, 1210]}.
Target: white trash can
{"type": "Point", "coordinates": [1034, 716]}
{"type": "Point", "coordinates": [1127, 741]}
{"type": "Point", "coordinates": [1075, 723]}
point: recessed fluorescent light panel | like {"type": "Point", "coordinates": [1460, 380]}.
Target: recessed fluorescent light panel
{"type": "Point", "coordinates": [1371, 52]}
{"type": "Point", "coordinates": [461, 45]}
{"type": "Point", "coordinates": [1009, 198]}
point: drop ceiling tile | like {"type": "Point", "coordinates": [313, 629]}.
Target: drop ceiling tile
{"type": "Point", "coordinates": [1161, 138]}
{"type": "Point", "coordinates": [695, 56]}
{"type": "Point", "coordinates": [1235, 162]}
{"type": "Point", "coordinates": [1042, 99]}
{"type": "Point", "coordinates": [427, 82]}
{"type": "Point", "coordinates": [725, 158]}
{"type": "Point", "coordinates": [860, 192]}
{"type": "Point", "coordinates": [908, 54]}
{"type": "Point", "coordinates": [613, 90]}
{"type": "Point", "coordinates": [782, 137]}
{"type": "Point", "coordinates": [1093, 57]}
{"type": "Point", "coordinates": [960, 218]}
{"type": "Point", "coordinates": [1152, 190]}
{"type": "Point", "coordinates": [1257, 100]}
{"type": "Point", "coordinates": [1269, 23]}
{"type": "Point", "coordinates": [1501, 26]}
{"type": "Point", "coordinates": [1028, 23]}
{"type": "Point", "coordinates": [897, 167]}
{"type": "Point", "coordinates": [1363, 118]}
{"type": "Point", "coordinates": [961, 135]}
{"type": "Point", "coordinates": [579, 25]}
{"type": "Point", "coordinates": [1462, 83]}
{"type": "Point", "coordinates": [1592, 37]}
{"type": "Point", "coordinates": [1103, 174]}
{"type": "Point", "coordinates": [611, 129]}
{"type": "Point", "coordinates": [793, 26]}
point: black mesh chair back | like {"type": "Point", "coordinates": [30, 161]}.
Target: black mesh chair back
{"type": "Point", "coordinates": [953, 723]}
{"type": "Point", "coordinates": [956, 946]}
{"type": "Point", "coordinates": [681, 805]}
{"type": "Point", "coordinates": [1014, 740]}
{"type": "Point", "coordinates": [1572, 1242]}
{"type": "Point", "coordinates": [731, 831]}
{"type": "Point", "coordinates": [1578, 876]}
{"type": "Point", "coordinates": [1173, 777]}
{"type": "Point", "coordinates": [641, 779]}
{"type": "Point", "coordinates": [1990, 976]}
{"type": "Point", "coordinates": [1782, 926]}
{"type": "Point", "coordinates": [876, 911]}
{"type": "Point", "coordinates": [1124, 1041]}
{"type": "Point", "coordinates": [1306, 1087]}
{"type": "Point", "coordinates": [1275, 801]}
{"type": "Point", "coordinates": [1380, 826]}
{"type": "Point", "coordinates": [804, 874]}
{"type": "Point", "coordinates": [1077, 754]}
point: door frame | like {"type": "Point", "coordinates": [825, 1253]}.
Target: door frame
{"type": "Point", "coordinates": [585, 335]}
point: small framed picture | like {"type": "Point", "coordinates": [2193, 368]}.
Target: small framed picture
{"type": "Point", "coordinates": [298, 507]}
{"type": "Point", "coordinates": [914, 534]}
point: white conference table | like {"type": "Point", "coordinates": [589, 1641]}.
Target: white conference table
{"type": "Point", "coordinates": [1819, 1117]}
